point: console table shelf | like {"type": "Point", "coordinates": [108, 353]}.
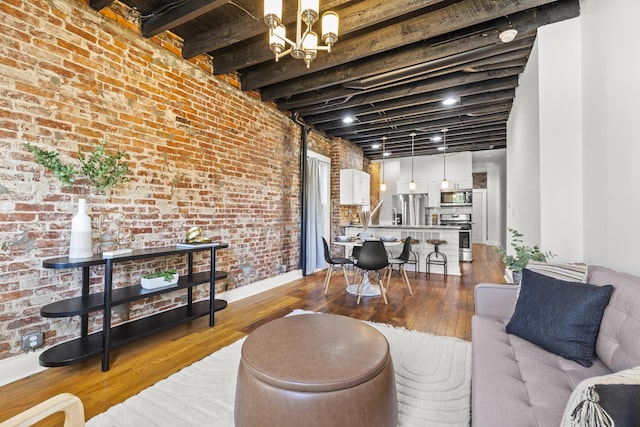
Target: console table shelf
{"type": "Point", "coordinates": [90, 345]}
{"type": "Point", "coordinates": [94, 302]}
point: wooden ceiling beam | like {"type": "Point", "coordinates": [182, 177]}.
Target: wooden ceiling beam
{"type": "Point", "coordinates": [162, 21]}
{"type": "Point", "coordinates": [352, 19]}
{"type": "Point", "coordinates": [432, 59]}
{"type": "Point", "coordinates": [470, 129]}
{"type": "Point", "coordinates": [476, 112]}
{"type": "Point", "coordinates": [497, 141]}
{"type": "Point", "coordinates": [527, 22]}
{"type": "Point", "coordinates": [357, 18]}
{"type": "Point", "coordinates": [467, 105]}
{"type": "Point", "coordinates": [429, 126]}
{"type": "Point", "coordinates": [405, 143]}
{"type": "Point", "coordinates": [455, 17]}
{"type": "Point", "coordinates": [420, 87]}
{"type": "Point", "coordinates": [99, 4]}
{"type": "Point", "coordinates": [452, 147]}
{"type": "Point", "coordinates": [419, 99]}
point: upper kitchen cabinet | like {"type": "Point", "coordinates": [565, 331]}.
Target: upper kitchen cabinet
{"type": "Point", "coordinates": [354, 187]}
{"type": "Point", "coordinates": [433, 200]}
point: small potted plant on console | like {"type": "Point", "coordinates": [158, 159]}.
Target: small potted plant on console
{"type": "Point", "coordinates": [159, 279]}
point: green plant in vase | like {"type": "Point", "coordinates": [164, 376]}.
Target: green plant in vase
{"type": "Point", "coordinates": [523, 254]}
{"type": "Point", "coordinates": [99, 170]}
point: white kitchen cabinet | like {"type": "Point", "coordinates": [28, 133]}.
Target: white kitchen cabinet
{"type": "Point", "coordinates": [433, 200]}
{"type": "Point", "coordinates": [465, 183]}
{"type": "Point", "coordinates": [354, 187]}
{"type": "Point", "coordinates": [403, 187]}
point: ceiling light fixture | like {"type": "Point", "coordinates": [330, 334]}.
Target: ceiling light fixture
{"type": "Point", "coordinates": [412, 184]}
{"type": "Point", "coordinates": [348, 120]}
{"type": "Point", "coordinates": [508, 35]}
{"type": "Point", "coordinates": [305, 46]}
{"type": "Point", "coordinates": [375, 146]}
{"type": "Point", "coordinates": [383, 185]}
{"type": "Point", "coordinates": [448, 102]}
{"type": "Point", "coordinates": [445, 183]}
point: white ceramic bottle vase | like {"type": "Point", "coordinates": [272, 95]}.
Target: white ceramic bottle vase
{"type": "Point", "coordinates": [81, 245]}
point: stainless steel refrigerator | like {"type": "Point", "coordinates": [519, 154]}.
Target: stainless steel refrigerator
{"type": "Point", "coordinates": [412, 208]}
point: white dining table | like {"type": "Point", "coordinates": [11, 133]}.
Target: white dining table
{"type": "Point", "coordinates": [368, 289]}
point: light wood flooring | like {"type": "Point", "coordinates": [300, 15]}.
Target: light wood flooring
{"type": "Point", "coordinates": [442, 306]}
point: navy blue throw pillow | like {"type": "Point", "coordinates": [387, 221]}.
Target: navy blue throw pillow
{"type": "Point", "coordinates": [561, 317]}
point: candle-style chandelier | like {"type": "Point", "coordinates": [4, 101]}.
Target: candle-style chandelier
{"type": "Point", "coordinates": [305, 46]}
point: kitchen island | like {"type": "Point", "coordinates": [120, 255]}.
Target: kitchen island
{"type": "Point", "coordinates": [421, 233]}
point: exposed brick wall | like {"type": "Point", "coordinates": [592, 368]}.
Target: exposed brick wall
{"type": "Point", "coordinates": [202, 153]}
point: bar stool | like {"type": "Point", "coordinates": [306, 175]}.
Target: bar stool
{"type": "Point", "coordinates": [436, 253]}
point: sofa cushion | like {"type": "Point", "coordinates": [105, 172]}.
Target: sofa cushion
{"type": "Point", "coordinates": [516, 383]}
{"type": "Point", "coordinates": [618, 344]}
{"type": "Point", "coordinates": [559, 316]}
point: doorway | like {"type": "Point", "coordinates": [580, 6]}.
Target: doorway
{"type": "Point", "coordinates": [318, 204]}
{"type": "Point", "coordinates": [479, 216]}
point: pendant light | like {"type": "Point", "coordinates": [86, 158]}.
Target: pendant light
{"type": "Point", "coordinates": [383, 185]}
{"type": "Point", "coordinates": [445, 183]}
{"type": "Point", "coordinates": [412, 184]}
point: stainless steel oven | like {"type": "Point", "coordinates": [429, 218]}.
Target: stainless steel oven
{"type": "Point", "coordinates": [464, 222]}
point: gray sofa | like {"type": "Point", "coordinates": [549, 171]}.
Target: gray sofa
{"type": "Point", "coordinates": [516, 383]}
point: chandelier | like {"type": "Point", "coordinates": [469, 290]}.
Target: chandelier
{"type": "Point", "coordinates": [305, 46]}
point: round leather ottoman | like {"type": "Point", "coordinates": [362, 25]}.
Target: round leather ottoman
{"type": "Point", "coordinates": [316, 370]}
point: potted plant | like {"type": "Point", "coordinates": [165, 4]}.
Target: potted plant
{"type": "Point", "coordinates": [523, 254]}
{"type": "Point", "coordinates": [99, 170]}
{"type": "Point", "coordinates": [159, 279]}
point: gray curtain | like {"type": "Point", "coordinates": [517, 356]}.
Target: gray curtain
{"type": "Point", "coordinates": [314, 227]}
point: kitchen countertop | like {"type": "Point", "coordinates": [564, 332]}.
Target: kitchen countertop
{"type": "Point", "coordinates": [410, 227]}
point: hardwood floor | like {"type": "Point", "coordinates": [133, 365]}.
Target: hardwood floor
{"type": "Point", "coordinates": [442, 306]}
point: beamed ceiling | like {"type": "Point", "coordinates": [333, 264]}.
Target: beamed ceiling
{"type": "Point", "coordinates": [393, 65]}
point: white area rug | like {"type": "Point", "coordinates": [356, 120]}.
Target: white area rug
{"type": "Point", "coordinates": [433, 379]}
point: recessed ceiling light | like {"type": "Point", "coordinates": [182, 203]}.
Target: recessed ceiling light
{"type": "Point", "coordinates": [437, 138]}
{"type": "Point", "coordinates": [387, 153]}
{"type": "Point", "coordinates": [375, 146]}
{"type": "Point", "coordinates": [441, 148]}
{"type": "Point", "coordinates": [448, 102]}
{"type": "Point", "coordinates": [348, 120]}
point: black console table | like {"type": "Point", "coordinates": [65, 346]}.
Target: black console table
{"type": "Point", "coordinates": [89, 345]}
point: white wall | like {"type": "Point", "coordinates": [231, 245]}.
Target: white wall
{"type": "Point", "coordinates": [576, 108]}
{"type": "Point", "coordinates": [560, 127]}
{"type": "Point", "coordinates": [611, 90]}
{"type": "Point", "coordinates": [523, 156]}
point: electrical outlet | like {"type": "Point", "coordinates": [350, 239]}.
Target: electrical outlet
{"type": "Point", "coordinates": [32, 341]}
